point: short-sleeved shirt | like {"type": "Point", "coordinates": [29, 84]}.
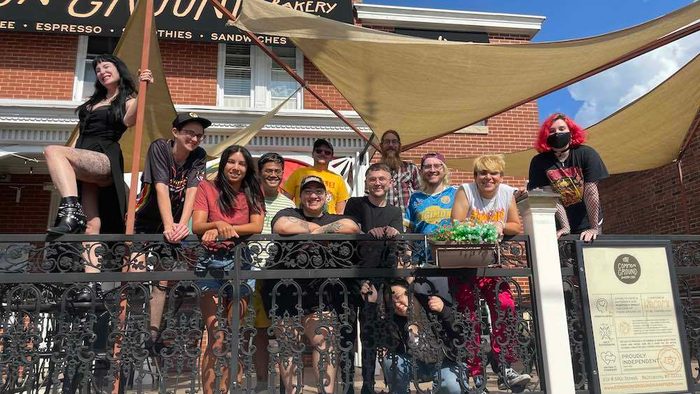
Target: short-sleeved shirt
{"type": "Point", "coordinates": [335, 186]}
{"type": "Point", "coordinates": [160, 167]}
{"type": "Point", "coordinates": [567, 178]}
{"type": "Point", "coordinates": [369, 216]}
{"type": "Point", "coordinates": [207, 200]}
{"type": "Point", "coordinates": [272, 206]}
{"type": "Point", "coordinates": [426, 213]}
{"type": "Point", "coordinates": [405, 182]}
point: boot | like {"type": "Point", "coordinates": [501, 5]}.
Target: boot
{"type": "Point", "coordinates": [71, 219]}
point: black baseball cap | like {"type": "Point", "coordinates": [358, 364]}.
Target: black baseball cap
{"type": "Point", "coordinates": [184, 117]}
{"type": "Point", "coordinates": [322, 142]}
{"type": "Point", "coordinates": [311, 179]}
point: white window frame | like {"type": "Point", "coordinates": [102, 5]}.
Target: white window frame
{"type": "Point", "coordinates": [260, 72]}
{"type": "Point", "coordinates": [80, 68]}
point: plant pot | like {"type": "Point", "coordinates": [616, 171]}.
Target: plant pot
{"type": "Point", "coordinates": [452, 254]}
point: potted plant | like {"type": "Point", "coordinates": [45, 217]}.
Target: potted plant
{"type": "Point", "coordinates": [465, 245]}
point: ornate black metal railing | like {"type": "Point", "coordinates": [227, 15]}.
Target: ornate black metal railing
{"type": "Point", "coordinates": [686, 261]}
{"type": "Point", "coordinates": [65, 330]}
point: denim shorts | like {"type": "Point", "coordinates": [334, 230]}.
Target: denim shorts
{"type": "Point", "coordinates": [219, 263]}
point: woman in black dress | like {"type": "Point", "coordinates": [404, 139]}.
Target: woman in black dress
{"type": "Point", "coordinates": [95, 166]}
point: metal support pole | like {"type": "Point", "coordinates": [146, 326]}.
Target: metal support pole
{"type": "Point", "coordinates": [290, 71]}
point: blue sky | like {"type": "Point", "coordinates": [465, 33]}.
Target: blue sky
{"type": "Point", "coordinates": [590, 100]}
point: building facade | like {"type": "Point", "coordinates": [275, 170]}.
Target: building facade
{"type": "Point", "coordinates": [45, 74]}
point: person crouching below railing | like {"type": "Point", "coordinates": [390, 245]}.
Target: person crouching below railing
{"type": "Point", "coordinates": [317, 321]}
{"type": "Point", "coordinates": [230, 206]}
{"type": "Point", "coordinates": [422, 335]}
{"type": "Point", "coordinates": [487, 200]}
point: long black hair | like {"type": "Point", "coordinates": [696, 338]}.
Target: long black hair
{"type": "Point", "coordinates": [127, 89]}
{"type": "Point", "coordinates": [249, 186]}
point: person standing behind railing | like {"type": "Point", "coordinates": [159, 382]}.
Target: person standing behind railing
{"type": "Point", "coordinates": [382, 221]}
{"type": "Point", "coordinates": [487, 200]}
{"type": "Point", "coordinates": [429, 209]}
{"type": "Point", "coordinates": [229, 207]}
{"type": "Point", "coordinates": [271, 171]}
{"type": "Point", "coordinates": [404, 174]}
{"type": "Point", "coordinates": [171, 174]}
{"type": "Point", "coordinates": [571, 170]}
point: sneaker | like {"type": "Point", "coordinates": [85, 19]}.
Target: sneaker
{"type": "Point", "coordinates": [480, 384]}
{"type": "Point", "coordinates": [513, 380]}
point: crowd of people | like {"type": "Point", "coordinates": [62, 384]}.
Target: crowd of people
{"type": "Point", "coordinates": [247, 198]}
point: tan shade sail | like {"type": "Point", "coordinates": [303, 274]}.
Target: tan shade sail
{"type": "Point", "coordinates": [425, 89]}
{"type": "Point", "coordinates": [647, 133]}
{"type": "Point", "coordinates": [160, 111]}
{"type": "Point", "coordinates": [244, 136]}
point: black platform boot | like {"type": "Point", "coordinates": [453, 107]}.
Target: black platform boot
{"type": "Point", "coordinates": [71, 219]}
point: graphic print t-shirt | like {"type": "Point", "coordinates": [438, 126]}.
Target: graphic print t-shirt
{"type": "Point", "coordinates": [161, 167]}
{"type": "Point", "coordinates": [426, 213]}
{"type": "Point", "coordinates": [567, 179]}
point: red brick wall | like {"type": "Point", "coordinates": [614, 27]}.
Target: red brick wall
{"type": "Point", "coordinates": [37, 66]}
{"type": "Point", "coordinates": [190, 70]}
{"type": "Point", "coordinates": [650, 202]}
{"type": "Point", "coordinates": [321, 85]}
{"type": "Point", "coordinates": [31, 214]}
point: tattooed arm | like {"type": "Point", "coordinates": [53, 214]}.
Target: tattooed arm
{"type": "Point", "coordinates": [342, 226]}
{"type": "Point", "coordinates": [290, 225]}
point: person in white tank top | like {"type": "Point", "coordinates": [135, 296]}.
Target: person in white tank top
{"type": "Point", "coordinates": [487, 200]}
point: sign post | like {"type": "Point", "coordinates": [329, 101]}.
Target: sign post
{"type": "Point", "coordinates": [634, 322]}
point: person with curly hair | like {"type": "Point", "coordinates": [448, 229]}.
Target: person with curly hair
{"type": "Point", "coordinates": [572, 170]}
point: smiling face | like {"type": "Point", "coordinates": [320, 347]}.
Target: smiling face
{"type": "Point", "coordinates": [235, 168]}
{"type": "Point", "coordinates": [313, 198]}
{"type": "Point", "coordinates": [399, 298]}
{"type": "Point", "coordinates": [107, 74]}
{"type": "Point", "coordinates": [189, 136]}
{"type": "Point", "coordinates": [487, 181]}
{"type": "Point", "coordinates": [378, 183]}
{"type": "Point", "coordinates": [322, 154]}
{"type": "Point", "coordinates": [433, 171]}
{"type": "Point", "coordinates": [271, 174]}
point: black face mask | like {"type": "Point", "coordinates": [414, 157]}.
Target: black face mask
{"type": "Point", "coordinates": [558, 140]}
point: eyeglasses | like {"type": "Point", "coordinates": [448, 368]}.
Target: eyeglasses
{"type": "Point", "coordinates": [391, 142]}
{"type": "Point", "coordinates": [432, 166]}
{"type": "Point", "coordinates": [192, 134]}
{"type": "Point", "coordinates": [311, 192]}
{"type": "Point", "coordinates": [273, 172]}
{"type": "Point", "coordinates": [326, 152]}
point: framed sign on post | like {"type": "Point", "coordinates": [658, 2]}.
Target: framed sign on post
{"type": "Point", "coordinates": [634, 323]}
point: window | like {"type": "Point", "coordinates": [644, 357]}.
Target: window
{"type": "Point", "coordinates": [237, 86]}
{"type": "Point", "coordinates": [248, 78]}
{"type": "Point", "coordinates": [88, 48]}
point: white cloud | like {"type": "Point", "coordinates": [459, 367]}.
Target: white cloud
{"type": "Point", "coordinates": [605, 93]}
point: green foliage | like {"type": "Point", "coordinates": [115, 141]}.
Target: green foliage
{"type": "Point", "coordinates": [469, 232]}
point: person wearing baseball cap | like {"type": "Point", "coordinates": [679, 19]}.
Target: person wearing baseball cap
{"type": "Point", "coordinates": [309, 218]}
{"type": "Point", "coordinates": [173, 169]}
{"type": "Point", "coordinates": [337, 191]}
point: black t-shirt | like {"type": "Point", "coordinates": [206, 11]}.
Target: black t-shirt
{"type": "Point", "coordinates": [161, 167]}
{"type": "Point", "coordinates": [582, 166]}
{"type": "Point", "coordinates": [298, 213]}
{"type": "Point", "coordinates": [369, 216]}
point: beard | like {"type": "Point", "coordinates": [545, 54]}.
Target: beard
{"type": "Point", "coordinates": [392, 159]}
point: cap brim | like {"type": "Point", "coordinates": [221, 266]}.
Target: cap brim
{"type": "Point", "coordinates": [202, 121]}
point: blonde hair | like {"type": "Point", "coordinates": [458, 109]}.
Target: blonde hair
{"type": "Point", "coordinates": [490, 163]}
{"type": "Point", "coordinates": [445, 180]}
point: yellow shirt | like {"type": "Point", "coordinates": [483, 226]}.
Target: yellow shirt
{"type": "Point", "coordinates": [335, 186]}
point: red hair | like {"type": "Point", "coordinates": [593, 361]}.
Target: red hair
{"type": "Point", "coordinates": [578, 134]}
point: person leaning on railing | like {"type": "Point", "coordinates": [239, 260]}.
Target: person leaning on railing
{"type": "Point", "coordinates": [310, 218]}
{"type": "Point", "coordinates": [230, 206]}
{"type": "Point", "coordinates": [487, 200]}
